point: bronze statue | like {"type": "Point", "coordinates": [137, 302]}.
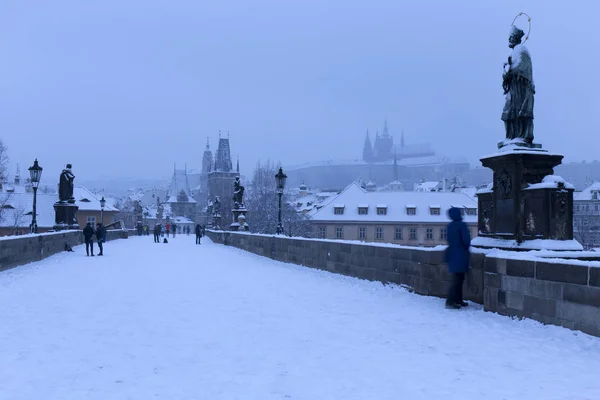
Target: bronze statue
{"type": "Point", "coordinates": [238, 193]}
{"type": "Point", "coordinates": [65, 187]}
{"type": "Point", "coordinates": [517, 82]}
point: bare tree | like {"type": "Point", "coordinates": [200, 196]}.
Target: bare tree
{"type": "Point", "coordinates": [262, 203]}
{"type": "Point", "coordinates": [3, 161]}
{"type": "Point", "coordinates": [18, 221]}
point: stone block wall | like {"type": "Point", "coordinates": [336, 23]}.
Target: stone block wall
{"type": "Point", "coordinates": [20, 250]}
{"type": "Point", "coordinates": [420, 269]}
{"type": "Point", "coordinates": [564, 293]}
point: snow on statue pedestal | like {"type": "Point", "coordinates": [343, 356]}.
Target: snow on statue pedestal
{"type": "Point", "coordinates": [525, 203]}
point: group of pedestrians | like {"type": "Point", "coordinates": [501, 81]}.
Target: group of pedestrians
{"type": "Point", "coordinates": [88, 234]}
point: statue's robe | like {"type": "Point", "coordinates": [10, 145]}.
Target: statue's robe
{"type": "Point", "coordinates": [65, 187]}
{"type": "Point", "coordinates": [518, 109]}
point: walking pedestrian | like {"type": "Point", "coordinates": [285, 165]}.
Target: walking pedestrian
{"type": "Point", "coordinates": [88, 236]}
{"type": "Point", "coordinates": [173, 229]}
{"type": "Point", "coordinates": [168, 228]}
{"type": "Point", "coordinates": [100, 237]}
{"type": "Point", "coordinates": [458, 257]}
{"type": "Point", "coordinates": [157, 229]}
{"type": "Point", "coordinates": [198, 234]}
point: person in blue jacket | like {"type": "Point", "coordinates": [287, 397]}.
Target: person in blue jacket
{"type": "Point", "coordinates": [458, 257]}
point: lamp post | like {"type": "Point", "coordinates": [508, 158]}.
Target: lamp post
{"type": "Point", "coordinates": [280, 178]}
{"type": "Point", "coordinates": [35, 174]}
{"type": "Point", "coordinates": [102, 205]}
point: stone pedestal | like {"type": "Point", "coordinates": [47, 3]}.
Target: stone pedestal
{"type": "Point", "coordinates": [526, 202]}
{"type": "Point", "coordinates": [239, 219]}
{"type": "Point", "coordinates": [65, 216]}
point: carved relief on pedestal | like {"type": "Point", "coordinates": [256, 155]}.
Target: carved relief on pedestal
{"type": "Point", "coordinates": [504, 184]}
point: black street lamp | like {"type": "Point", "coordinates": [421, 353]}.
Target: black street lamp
{"type": "Point", "coordinates": [35, 174]}
{"type": "Point", "coordinates": [102, 204]}
{"type": "Point", "coordinates": [280, 178]}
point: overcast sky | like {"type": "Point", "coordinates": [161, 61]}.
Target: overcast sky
{"type": "Point", "coordinates": [127, 87]}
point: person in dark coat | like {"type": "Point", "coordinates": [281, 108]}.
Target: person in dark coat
{"type": "Point", "coordinates": [100, 237]}
{"type": "Point", "coordinates": [457, 256]}
{"type": "Point", "coordinates": [198, 234]}
{"type": "Point", "coordinates": [157, 230]}
{"type": "Point", "coordinates": [174, 229]}
{"type": "Point", "coordinates": [88, 235]}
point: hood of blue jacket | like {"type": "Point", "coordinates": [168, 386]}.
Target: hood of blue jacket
{"type": "Point", "coordinates": [454, 214]}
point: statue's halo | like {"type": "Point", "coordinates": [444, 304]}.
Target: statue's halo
{"type": "Point", "coordinates": [528, 21]}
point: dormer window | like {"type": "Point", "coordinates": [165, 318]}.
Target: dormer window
{"type": "Point", "coordinates": [434, 209]}
{"type": "Point", "coordinates": [363, 209]}
{"type": "Point", "coordinates": [411, 209]}
{"type": "Point", "coordinates": [471, 211]}
{"type": "Point", "coordinates": [595, 195]}
{"type": "Point", "coordinates": [381, 209]}
{"type": "Point", "coordinates": [338, 209]}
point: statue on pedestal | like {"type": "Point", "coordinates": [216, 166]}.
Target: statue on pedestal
{"type": "Point", "coordinates": [65, 209]}
{"type": "Point", "coordinates": [65, 187]}
{"type": "Point", "coordinates": [517, 82]}
{"type": "Point", "coordinates": [238, 194]}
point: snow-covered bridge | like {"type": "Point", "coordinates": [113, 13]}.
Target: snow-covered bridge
{"type": "Point", "coordinates": [180, 321]}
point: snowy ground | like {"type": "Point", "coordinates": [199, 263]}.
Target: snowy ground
{"type": "Point", "coordinates": [180, 321]}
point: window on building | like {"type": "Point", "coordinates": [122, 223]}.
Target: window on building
{"type": "Point", "coordinates": [338, 210]}
{"type": "Point", "coordinates": [339, 233]}
{"type": "Point", "coordinates": [443, 234]}
{"type": "Point", "coordinates": [362, 233]}
{"type": "Point", "coordinates": [91, 220]}
{"type": "Point", "coordinates": [379, 233]}
{"type": "Point", "coordinates": [597, 207]}
{"type": "Point", "coordinates": [587, 207]}
{"type": "Point", "coordinates": [363, 210]}
{"type": "Point", "coordinates": [381, 210]}
{"type": "Point", "coordinates": [398, 234]}
{"type": "Point", "coordinates": [413, 234]}
{"type": "Point", "coordinates": [435, 211]}
{"type": "Point", "coordinates": [577, 207]}
{"type": "Point", "coordinates": [411, 210]}
{"type": "Point", "coordinates": [322, 232]}
{"type": "Point", "coordinates": [429, 234]}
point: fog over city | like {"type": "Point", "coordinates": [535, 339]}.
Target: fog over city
{"type": "Point", "coordinates": [125, 88]}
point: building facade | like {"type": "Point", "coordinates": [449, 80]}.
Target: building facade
{"type": "Point", "coordinates": [405, 218]}
{"type": "Point", "coordinates": [586, 216]}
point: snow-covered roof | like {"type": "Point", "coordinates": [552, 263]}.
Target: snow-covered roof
{"type": "Point", "coordinates": [18, 207]}
{"type": "Point", "coordinates": [397, 205]}
{"type": "Point", "coordinates": [587, 194]}
{"type": "Point", "coordinates": [88, 201]}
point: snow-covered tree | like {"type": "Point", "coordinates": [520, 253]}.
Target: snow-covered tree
{"type": "Point", "coordinates": [3, 161]}
{"type": "Point", "coordinates": [262, 204]}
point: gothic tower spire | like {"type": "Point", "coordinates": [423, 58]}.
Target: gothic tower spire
{"type": "Point", "coordinates": [367, 149]}
{"type": "Point", "coordinates": [402, 139]}
{"type": "Point", "coordinates": [395, 172]}
{"type": "Point", "coordinates": [385, 128]}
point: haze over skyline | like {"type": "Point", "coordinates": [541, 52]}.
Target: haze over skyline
{"type": "Point", "coordinates": [128, 87]}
